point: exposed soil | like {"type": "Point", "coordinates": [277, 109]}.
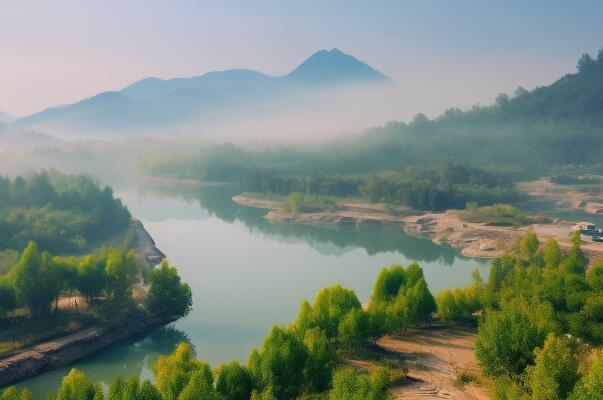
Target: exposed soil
{"type": "Point", "coordinates": [434, 357]}
{"type": "Point", "coordinates": [444, 228]}
{"type": "Point", "coordinates": [564, 196]}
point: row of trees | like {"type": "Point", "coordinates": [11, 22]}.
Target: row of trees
{"type": "Point", "coordinates": [60, 212]}
{"type": "Point", "coordinates": [38, 280]}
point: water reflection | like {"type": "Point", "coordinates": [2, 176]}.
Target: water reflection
{"type": "Point", "coordinates": [216, 201]}
{"type": "Point", "coordinates": [131, 357]}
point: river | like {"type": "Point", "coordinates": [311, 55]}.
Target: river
{"type": "Point", "coordinates": [247, 274]}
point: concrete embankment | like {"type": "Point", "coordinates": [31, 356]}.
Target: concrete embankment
{"type": "Point", "coordinates": [63, 351]}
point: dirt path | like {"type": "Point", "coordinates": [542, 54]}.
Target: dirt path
{"type": "Point", "coordinates": [434, 358]}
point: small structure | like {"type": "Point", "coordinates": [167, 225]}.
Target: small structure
{"type": "Point", "coordinates": [585, 227]}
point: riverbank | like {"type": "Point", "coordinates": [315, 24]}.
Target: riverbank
{"type": "Point", "coordinates": [27, 362]}
{"type": "Point", "coordinates": [144, 246]}
{"type": "Point", "coordinates": [65, 350]}
{"type": "Point", "coordinates": [443, 228]}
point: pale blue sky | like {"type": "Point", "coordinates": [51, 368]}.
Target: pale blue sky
{"type": "Point", "coordinates": [441, 53]}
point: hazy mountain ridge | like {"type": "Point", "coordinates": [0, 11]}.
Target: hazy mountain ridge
{"type": "Point", "coordinates": [6, 118]}
{"type": "Point", "coordinates": [153, 103]}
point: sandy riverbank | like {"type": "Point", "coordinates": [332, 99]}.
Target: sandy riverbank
{"type": "Point", "coordinates": [444, 228]}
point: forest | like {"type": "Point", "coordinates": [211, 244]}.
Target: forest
{"type": "Point", "coordinates": [539, 329]}
{"type": "Point", "coordinates": [60, 212]}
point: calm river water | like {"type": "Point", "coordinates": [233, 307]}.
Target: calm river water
{"type": "Point", "coordinates": [247, 275]}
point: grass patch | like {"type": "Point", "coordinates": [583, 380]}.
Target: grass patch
{"type": "Point", "coordinates": [500, 215]}
{"type": "Point", "coordinates": [299, 203]}
{"type": "Point", "coordinates": [28, 332]}
{"type": "Point", "coordinates": [465, 378]}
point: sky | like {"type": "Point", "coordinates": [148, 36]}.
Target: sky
{"type": "Point", "coordinates": [440, 53]}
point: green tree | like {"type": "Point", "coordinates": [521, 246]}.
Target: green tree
{"type": "Point", "coordinates": [505, 342]}
{"type": "Point", "coordinates": [133, 389]}
{"type": "Point", "coordinates": [174, 373]}
{"type": "Point", "coordinates": [349, 384]}
{"type": "Point", "coordinates": [529, 244]}
{"type": "Point", "coordinates": [294, 202]}
{"type": "Point", "coordinates": [280, 365]}
{"type": "Point", "coordinates": [37, 281]}
{"type": "Point", "coordinates": [420, 303]}
{"type": "Point", "coordinates": [8, 298]}
{"type": "Point", "coordinates": [552, 253]}
{"type": "Point", "coordinates": [91, 278]}
{"type": "Point", "coordinates": [76, 386]}
{"type": "Point", "coordinates": [168, 297]}
{"type": "Point", "coordinates": [594, 277]}
{"type": "Point", "coordinates": [320, 361]}
{"type": "Point", "coordinates": [388, 283]}
{"type": "Point", "coordinates": [120, 272]}
{"type": "Point", "coordinates": [12, 393]}
{"type": "Point", "coordinates": [353, 330]}
{"type": "Point", "coordinates": [331, 305]}
{"type": "Point", "coordinates": [555, 370]}
{"type": "Point", "coordinates": [590, 386]}
{"type": "Point", "coordinates": [233, 381]}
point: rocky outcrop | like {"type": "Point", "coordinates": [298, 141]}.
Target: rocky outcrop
{"type": "Point", "coordinates": [65, 350]}
{"type": "Point", "coordinates": [145, 248]}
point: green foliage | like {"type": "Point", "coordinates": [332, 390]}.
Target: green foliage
{"type": "Point", "coordinates": [529, 244]}
{"type": "Point", "coordinates": [37, 280]}
{"type": "Point", "coordinates": [349, 384]}
{"type": "Point", "coordinates": [76, 386]}
{"type": "Point", "coordinates": [233, 381]}
{"type": "Point", "coordinates": [594, 277]}
{"type": "Point", "coordinates": [280, 364]}
{"type": "Point", "coordinates": [59, 212]}
{"type": "Point", "coordinates": [400, 299]}
{"type": "Point", "coordinates": [320, 361]}
{"type": "Point", "coordinates": [12, 393]}
{"type": "Point", "coordinates": [133, 389]}
{"type": "Point", "coordinates": [498, 215]}
{"type": "Point", "coordinates": [353, 330]}
{"type": "Point", "coordinates": [329, 308]}
{"type": "Point", "coordinates": [552, 253]}
{"type": "Point", "coordinates": [555, 370]}
{"type": "Point", "coordinates": [505, 342]}
{"type": "Point", "coordinates": [181, 374]}
{"type": "Point", "coordinates": [168, 296]}
{"type": "Point", "coordinates": [8, 298]}
{"type": "Point", "coordinates": [590, 385]}
{"type": "Point", "coordinates": [299, 202]}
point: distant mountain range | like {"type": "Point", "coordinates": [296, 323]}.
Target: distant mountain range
{"type": "Point", "coordinates": [154, 104]}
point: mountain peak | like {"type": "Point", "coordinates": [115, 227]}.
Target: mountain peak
{"type": "Point", "coordinates": [334, 66]}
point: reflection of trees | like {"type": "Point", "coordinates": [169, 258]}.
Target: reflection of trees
{"type": "Point", "coordinates": [326, 240]}
{"type": "Point", "coordinates": [134, 354]}
{"type": "Point", "coordinates": [126, 358]}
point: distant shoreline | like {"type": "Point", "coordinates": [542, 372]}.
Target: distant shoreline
{"type": "Point", "coordinates": [443, 228]}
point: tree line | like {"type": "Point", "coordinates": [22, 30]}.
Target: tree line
{"type": "Point", "coordinates": [106, 279]}
{"type": "Point", "coordinates": [60, 212]}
